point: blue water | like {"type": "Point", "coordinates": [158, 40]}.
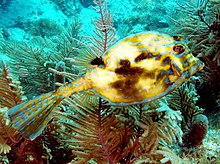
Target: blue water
{"type": "Point", "coordinates": [18, 18]}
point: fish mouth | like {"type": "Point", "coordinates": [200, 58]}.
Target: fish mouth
{"type": "Point", "coordinates": [197, 66]}
{"type": "Point", "coordinates": [200, 65]}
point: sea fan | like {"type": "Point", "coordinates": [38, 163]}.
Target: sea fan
{"type": "Point", "coordinates": [184, 99]}
{"type": "Point", "coordinates": [170, 156]}
{"type": "Point", "coordinates": [96, 133]}
{"type": "Point", "coordinates": [210, 78]}
{"type": "Point", "coordinates": [166, 133]}
{"type": "Point", "coordinates": [103, 38]}
{"type": "Point", "coordinates": [101, 133]}
{"type": "Point", "coordinates": [8, 135]}
{"type": "Point", "coordinates": [30, 62]}
{"type": "Point", "coordinates": [11, 94]}
{"type": "Point", "coordinates": [200, 24]}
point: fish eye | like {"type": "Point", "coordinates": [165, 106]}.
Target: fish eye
{"type": "Point", "coordinates": [179, 49]}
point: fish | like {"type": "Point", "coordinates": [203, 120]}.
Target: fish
{"type": "Point", "coordinates": [137, 69]}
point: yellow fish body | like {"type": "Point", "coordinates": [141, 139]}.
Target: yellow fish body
{"type": "Point", "coordinates": [137, 69]}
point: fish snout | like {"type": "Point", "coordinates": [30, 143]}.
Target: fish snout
{"type": "Point", "coordinates": [197, 66]}
{"type": "Point", "coordinates": [200, 65]}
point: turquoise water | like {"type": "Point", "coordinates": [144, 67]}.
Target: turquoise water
{"type": "Point", "coordinates": [19, 18]}
{"type": "Point", "coordinates": [47, 43]}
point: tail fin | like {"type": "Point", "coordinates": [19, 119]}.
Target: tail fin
{"type": "Point", "coordinates": [31, 117]}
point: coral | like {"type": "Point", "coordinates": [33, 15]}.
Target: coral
{"type": "Point", "coordinates": [8, 135]}
{"type": "Point", "coordinates": [60, 67]}
{"type": "Point", "coordinates": [145, 16]}
{"type": "Point", "coordinates": [85, 128]}
{"type": "Point", "coordinates": [11, 94]}
{"type": "Point", "coordinates": [33, 61]}
{"type": "Point", "coordinates": [72, 42]}
{"type": "Point", "coordinates": [103, 38]}
{"type": "Point", "coordinates": [68, 7]}
{"type": "Point", "coordinates": [31, 64]}
{"type": "Point", "coordinates": [45, 28]}
{"type": "Point", "coordinates": [27, 152]}
{"type": "Point", "coordinates": [104, 32]}
{"type": "Point", "coordinates": [200, 23]}
{"type": "Point", "coordinates": [194, 124]}
{"type": "Point", "coordinates": [55, 152]}
{"type": "Point", "coordinates": [10, 89]}
{"type": "Point", "coordinates": [210, 84]}
{"type": "Point", "coordinates": [197, 132]}
{"type": "Point", "coordinates": [4, 3]}
{"type": "Point", "coordinates": [93, 138]}
{"type": "Point", "coordinates": [114, 134]}
{"type": "Point", "coordinates": [86, 3]}
{"type": "Point", "coordinates": [184, 99]}
{"type": "Point", "coordinates": [206, 153]}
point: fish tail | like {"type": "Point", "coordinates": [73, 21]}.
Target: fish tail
{"type": "Point", "coordinates": [31, 117]}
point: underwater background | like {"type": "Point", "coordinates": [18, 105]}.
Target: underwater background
{"type": "Point", "coordinates": [45, 43]}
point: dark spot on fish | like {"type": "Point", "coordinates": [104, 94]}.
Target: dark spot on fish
{"type": "Point", "coordinates": [168, 81]}
{"type": "Point", "coordinates": [126, 70]}
{"type": "Point", "coordinates": [125, 67]}
{"type": "Point", "coordinates": [160, 76]}
{"type": "Point", "coordinates": [125, 63]}
{"type": "Point", "coordinates": [157, 57]}
{"type": "Point", "coordinates": [97, 61]}
{"type": "Point", "coordinates": [142, 56]}
{"type": "Point", "coordinates": [126, 86]}
{"type": "Point", "coordinates": [170, 72]}
{"type": "Point", "coordinates": [149, 74]}
{"type": "Point", "coordinates": [166, 61]}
